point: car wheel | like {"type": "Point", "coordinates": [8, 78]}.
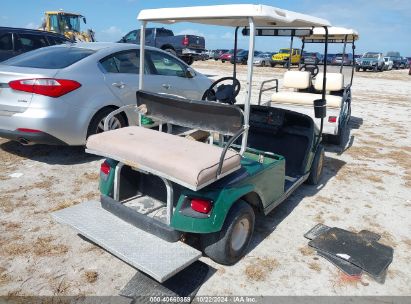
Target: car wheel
{"type": "Point", "coordinates": [263, 63]}
{"type": "Point", "coordinates": [97, 122]}
{"type": "Point", "coordinates": [357, 69]}
{"type": "Point", "coordinates": [188, 60]}
{"type": "Point", "coordinates": [171, 51]}
{"type": "Point", "coordinates": [229, 245]}
{"type": "Point", "coordinates": [222, 61]}
{"type": "Point", "coordinates": [272, 65]}
{"type": "Point", "coordinates": [316, 167]}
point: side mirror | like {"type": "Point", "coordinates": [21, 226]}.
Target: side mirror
{"type": "Point", "coordinates": [84, 20]}
{"type": "Point", "coordinates": [190, 73]}
{"type": "Point", "coordinates": [320, 108]}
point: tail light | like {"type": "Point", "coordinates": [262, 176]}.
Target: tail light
{"type": "Point", "coordinates": [28, 130]}
{"type": "Point", "coordinates": [105, 168]}
{"type": "Point", "coordinates": [185, 41]}
{"type": "Point", "coordinates": [201, 205]}
{"type": "Point", "coordinates": [332, 118]}
{"type": "Point", "coordinates": [45, 86]}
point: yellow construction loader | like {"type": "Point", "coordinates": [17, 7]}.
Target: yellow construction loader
{"type": "Point", "coordinates": [67, 24]}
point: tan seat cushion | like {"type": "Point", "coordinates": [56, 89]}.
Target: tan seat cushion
{"type": "Point", "coordinates": [335, 82]}
{"type": "Point", "coordinates": [298, 98]}
{"type": "Point", "coordinates": [297, 79]}
{"type": "Point", "coordinates": [190, 163]}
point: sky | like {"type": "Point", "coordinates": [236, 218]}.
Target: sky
{"type": "Point", "coordinates": [383, 25]}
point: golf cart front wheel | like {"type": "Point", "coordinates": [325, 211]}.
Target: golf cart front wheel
{"type": "Point", "coordinates": [317, 167]}
{"type": "Point", "coordinates": [229, 245]}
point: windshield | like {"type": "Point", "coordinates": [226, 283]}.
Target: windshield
{"type": "Point", "coordinates": [69, 23]}
{"type": "Point", "coordinates": [49, 57]}
{"type": "Point", "coordinates": [284, 51]}
{"type": "Point", "coordinates": [370, 55]}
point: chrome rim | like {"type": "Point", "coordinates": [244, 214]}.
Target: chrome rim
{"type": "Point", "coordinates": [113, 123]}
{"type": "Point", "coordinates": [240, 233]}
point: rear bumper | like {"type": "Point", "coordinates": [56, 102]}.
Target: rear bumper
{"type": "Point", "coordinates": [31, 137]}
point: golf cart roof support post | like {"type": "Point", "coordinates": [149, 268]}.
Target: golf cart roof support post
{"type": "Point", "coordinates": [353, 63]}
{"type": "Point", "coordinates": [235, 53]}
{"type": "Point", "coordinates": [291, 52]}
{"type": "Point", "coordinates": [325, 64]}
{"type": "Point", "coordinates": [343, 53]}
{"type": "Point", "coordinates": [142, 60]}
{"type": "Point", "coordinates": [302, 51]}
{"type": "Point", "coordinates": [249, 85]}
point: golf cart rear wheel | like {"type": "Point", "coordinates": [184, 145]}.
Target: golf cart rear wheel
{"type": "Point", "coordinates": [229, 245]}
{"type": "Point", "coordinates": [316, 167]}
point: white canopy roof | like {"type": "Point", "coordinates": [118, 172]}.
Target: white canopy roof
{"type": "Point", "coordinates": [334, 33]}
{"type": "Point", "coordinates": [232, 15]}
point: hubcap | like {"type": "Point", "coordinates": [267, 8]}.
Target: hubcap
{"type": "Point", "coordinates": [113, 123]}
{"type": "Point", "coordinates": [240, 233]}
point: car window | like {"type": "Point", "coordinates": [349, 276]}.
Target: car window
{"type": "Point", "coordinates": [50, 57]}
{"type": "Point", "coordinates": [127, 62]}
{"type": "Point", "coordinates": [164, 33]}
{"type": "Point", "coordinates": [132, 36]}
{"type": "Point", "coordinates": [28, 42]}
{"type": "Point", "coordinates": [164, 64]}
{"type": "Point", "coordinates": [6, 42]}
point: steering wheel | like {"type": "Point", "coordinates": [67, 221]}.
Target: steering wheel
{"type": "Point", "coordinates": [224, 93]}
{"type": "Point", "coordinates": [312, 68]}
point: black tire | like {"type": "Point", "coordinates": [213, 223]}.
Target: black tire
{"type": "Point", "coordinates": [219, 245]}
{"type": "Point", "coordinates": [375, 69]}
{"type": "Point", "coordinates": [357, 69]}
{"type": "Point", "coordinates": [263, 63]}
{"type": "Point", "coordinates": [272, 65]}
{"type": "Point", "coordinates": [94, 127]}
{"type": "Point", "coordinates": [188, 60]}
{"type": "Point", "coordinates": [316, 167]}
{"type": "Point", "coordinates": [222, 60]}
{"type": "Point", "coordinates": [171, 51]}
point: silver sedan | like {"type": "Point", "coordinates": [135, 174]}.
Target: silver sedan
{"type": "Point", "coordinates": [62, 94]}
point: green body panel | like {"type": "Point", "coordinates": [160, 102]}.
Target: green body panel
{"type": "Point", "coordinates": [106, 185]}
{"type": "Point", "coordinates": [266, 179]}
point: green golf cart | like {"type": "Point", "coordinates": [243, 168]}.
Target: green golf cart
{"type": "Point", "coordinates": [161, 189]}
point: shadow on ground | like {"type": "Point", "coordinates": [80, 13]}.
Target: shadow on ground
{"type": "Point", "coordinates": [265, 225]}
{"type": "Point", "coordinates": [61, 155]}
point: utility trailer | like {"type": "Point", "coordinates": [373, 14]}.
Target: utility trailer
{"type": "Point", "coordinates": [160, 190]}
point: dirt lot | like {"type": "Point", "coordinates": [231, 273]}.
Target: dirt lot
{"type": "Point", "coordinates": [366, 185]}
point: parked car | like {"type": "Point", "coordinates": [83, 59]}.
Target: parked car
{"type": "Point", "coordinates": [283, 56]}
{"type": "Point", "coordinates": [371, 61]}
{"type": "Point", "coordinates": [330, 58]}
{"type": "Point", "coordinates": [404, 63]}
{"type": "Point", "coordinates": [15, 41]}
{"type": "Point", "coordinates": [186, 47]}
{"type": "Point", "coordinates": [312, 58]}
{"type": "Point", "coordinates": [62, 94]}
{"type": "Point", "coordinates": [338, 59]}
{"type": "Point", "coordinates": [388, 64]}
{"type": "Point", "coordinates": [396, 59]}
{"type": "Point", "coordinates": [242, 56]}
{"type": "Point", "coordinates": [263, 59]}
{"type": "Point", "coordinates": [218, 53]}
{"type": "Point", "coordinates": [227, 56]}
{"type": "Point", "coordinates": [357, 58]}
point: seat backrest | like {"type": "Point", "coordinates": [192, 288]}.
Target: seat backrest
{"type": "Point", "coordinates": [202, 115]}
{"type": "Point", "coordinates": [335, 82]}
{"type": "Point", "coordinates": [297, 79]}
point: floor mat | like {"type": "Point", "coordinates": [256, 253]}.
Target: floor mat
{"type": "Point", "coordinates": [360, 249]}
{"type": "Point", "coordinates": [184, 284]}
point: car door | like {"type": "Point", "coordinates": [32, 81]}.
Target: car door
{"type": "Point", "coordinates": [170, 75]}
{"type": "Point", "coordinates": [121, 75]}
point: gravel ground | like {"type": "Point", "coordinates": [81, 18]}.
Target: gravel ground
{"type": "Point", "coordinates": [366, 185]}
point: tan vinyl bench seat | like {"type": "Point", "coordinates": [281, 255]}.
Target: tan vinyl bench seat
{"type": "Point", "coordinates": [300, 98]}
{"type": "Point", "coordinates": [186, 162]}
